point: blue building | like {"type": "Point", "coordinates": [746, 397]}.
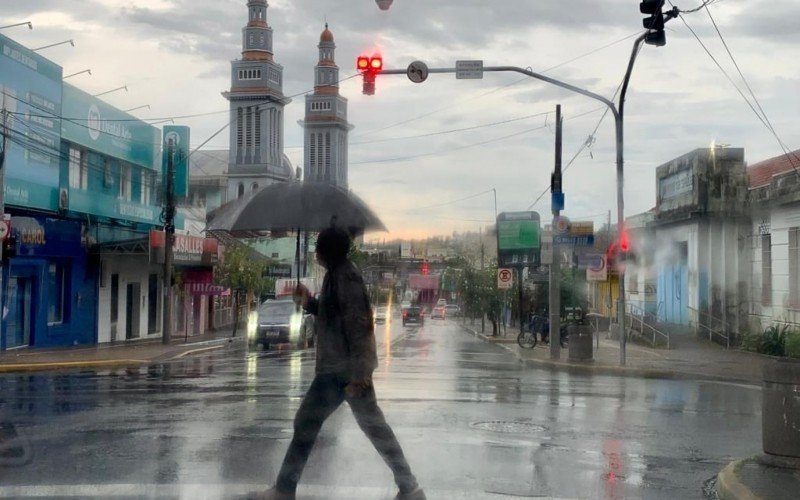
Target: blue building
{"type": "Point", "coordinates": [79, 194]}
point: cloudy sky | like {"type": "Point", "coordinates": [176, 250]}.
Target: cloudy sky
{"type": "Point", "coordinates": [175, 56]}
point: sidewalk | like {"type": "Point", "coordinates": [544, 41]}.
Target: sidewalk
{"type": "Point", "coordinates": [759, 478]}
{"type": "Point", "coordinates": [692, 360]}
{"type": "Point", "coordinates": [124, 353]}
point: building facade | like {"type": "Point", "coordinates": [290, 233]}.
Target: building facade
{"type": "Point", "coordinates": [326, 127]}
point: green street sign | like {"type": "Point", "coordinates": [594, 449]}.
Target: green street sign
{"type": "Point", "coordinates": [518, 238]}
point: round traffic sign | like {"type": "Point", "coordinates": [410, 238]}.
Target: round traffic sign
{"type": "Point", "coordinates": [417, 72]}
{"type": "Point", "coordinates": [4, 229]}
{"type": "Point", "coordinates": [562, 225]}
{"type": "Point", "coordinates": [504, 275]}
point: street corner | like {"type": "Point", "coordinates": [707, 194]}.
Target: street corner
{"type": "Point", "coordinates": [730, 485]}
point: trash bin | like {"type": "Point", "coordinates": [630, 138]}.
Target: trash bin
{"type": "Point", "coordinates": [780, 415]}
{"type": "Point", "coordinates": [580, 342]}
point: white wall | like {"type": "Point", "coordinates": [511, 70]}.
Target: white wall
{"type": "Point", "coordinates": [131, 269]}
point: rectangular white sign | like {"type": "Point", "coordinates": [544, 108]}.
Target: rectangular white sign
{"type": "Point", "coordinates": [469, 70]}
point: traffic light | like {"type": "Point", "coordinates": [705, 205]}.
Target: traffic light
{"type": "Point", "coordinates": [619, 252]}
{"type": "Point", "coordinates": [425, 269]}
{"type": "Point", "coordinates": [654, 23]}
{"type": "Point", "coordinates": [369, 67]}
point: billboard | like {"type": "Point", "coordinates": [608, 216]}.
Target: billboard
{"type": "Point", "coordinates": [518, 238]}
{"type": "Point", "coordinates": [179, 135]}
{"type": "Point", "coordinates": [30, 92]}
{"type": "Point", "coordinates": [96, 125]}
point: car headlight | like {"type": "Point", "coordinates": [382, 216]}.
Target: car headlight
{"type": "Point", "coordinates": [252, 325]}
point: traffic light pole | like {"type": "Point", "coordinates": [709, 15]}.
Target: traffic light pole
{"type": "Point", "coordinates": [618, 122]}
{"type": "Point", "coordinates": [555, 266]}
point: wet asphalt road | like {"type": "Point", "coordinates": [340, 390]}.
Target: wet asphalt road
{"type": "Point", "coordinates": [473, 421]}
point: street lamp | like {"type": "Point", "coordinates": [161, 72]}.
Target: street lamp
{"type": "Point", "coordinates": [124, 87]}
{"type": "Point", "coordinates": [78, 73]}
{"type": "Point", "coordinates": [71, 42]}
{"type": "Point", "coordinates": [30, 25]}
{"type": "Point", "coordinates": [384, 4]}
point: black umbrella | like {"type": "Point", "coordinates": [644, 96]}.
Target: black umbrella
{"type": "Point", "coordinates": [295, 206]}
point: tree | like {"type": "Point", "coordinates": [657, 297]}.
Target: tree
{"type": "Point", "coordinates": [243, 275]}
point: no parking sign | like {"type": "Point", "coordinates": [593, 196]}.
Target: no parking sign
{"type": "Point", "coordinates": [504, 279]}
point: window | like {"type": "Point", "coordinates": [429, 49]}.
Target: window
{"type": "Point", "coordinates": [258, 128]}
{"type": "Point", "coordinates": [249, 74]}
{"type": "Point", "coordinates": [125, 182]}
{"type": "Point", "coordinates": [78, 169]}
{"type": "Point", "coordinates": [275, 255]}
{"type": "Point", "coordinates": [248, 137]}
{"type": "Point", "coordinates": [239, 127]}
{"type": "Point", "coordinates": [114, 301]}
{"type": "Point", "coordinates": [55, 292]}
{"type": "Point", "coordinates": [108, 177]}
{"type": "Point", "coordinates": [241, 190]}
{"type": "Point", "coordinates": [794, 267]}
{"type": "Point", "coordinates": [254, 186]}
{"type": "Point", "coordinates": [766, 269]}
{"type": "Point", "coordinates": [327, 155]}
{"type": "Point", "coordinates": [312, 153]}
{"type": "Point", "coordinates": [147, 182]}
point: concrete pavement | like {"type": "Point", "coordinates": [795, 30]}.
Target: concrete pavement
{"type": "Point", "coordinates": [693, 360]}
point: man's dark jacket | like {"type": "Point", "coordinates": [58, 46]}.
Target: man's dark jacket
{"type": "Point", "coordinates": [343, 325]}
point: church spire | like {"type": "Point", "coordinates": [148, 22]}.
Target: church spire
{"type": "Point", "coordinates": [326, 71]}
{"type": "Point", "coordinates": [257, 35]}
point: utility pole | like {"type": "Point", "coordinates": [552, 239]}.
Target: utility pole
{"type": "Point", "coordinates": [169, 238]}
{"type": "Point", "coordinates": [483, 313]}
{"type": "Point", "coordinates": [555, 267]}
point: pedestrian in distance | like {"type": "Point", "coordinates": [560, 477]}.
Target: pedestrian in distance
{"type": "Point", "coordinates": [345, 360]}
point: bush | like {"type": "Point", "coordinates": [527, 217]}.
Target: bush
{"type": "Point", "coordinates": [773, 341]}
{"type": "Point", "coordinates": [751, 342]}
{"type": "Point", "coordinates": [793, 345]}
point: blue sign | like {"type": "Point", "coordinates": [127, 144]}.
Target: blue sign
{"type": "Point", "coordinates": [179, 135]}
{"type": "Point", "coordinates": [557, 201]}
{"type": "Point", "coordinates": [30, 93]}
{"type": "Point", "coordinates": [574, 241]}
{"type": "Point", "coordinates": [590, 261]}
{"type": "Point", "coordinates": [46, 237]}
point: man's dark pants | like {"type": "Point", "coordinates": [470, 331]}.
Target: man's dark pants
{"type": "Point", "coordinates": [323, 397]}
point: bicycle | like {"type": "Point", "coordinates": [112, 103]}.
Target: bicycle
{"type": "Point", "coordinates": [527, 338]}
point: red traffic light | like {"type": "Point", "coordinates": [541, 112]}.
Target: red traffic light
{"type": "Point", "coordinates": [624, 242]}
{"type": "Point", "coordinates": [372, 64]}
{"type": "Point", "coordinates": [425, 268]}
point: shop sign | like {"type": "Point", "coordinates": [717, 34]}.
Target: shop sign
{"type": "Point", "coordinates": [187, 250]}
{"type": "Point", "coordinates": [46, 237]}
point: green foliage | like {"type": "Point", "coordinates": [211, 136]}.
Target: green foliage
{"type": "Point", "coordinates": [793, 345]}
{"type": "Point", "coordinates": [242, 273]}
{"type": "Point", "coordinates": [774, 341]}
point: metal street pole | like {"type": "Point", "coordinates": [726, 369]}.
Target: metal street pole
{"type": "Point", "coordinates": [555, 267]}
{"type": "Point", "coordinates": [618, 127]}
{"type": "Point", "coordinates": [169, 237]}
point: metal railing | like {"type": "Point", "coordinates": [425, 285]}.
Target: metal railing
{"type": "Point", "coordinates": [637, 314]}
{"type": "Point", "coordinates": [711, 331]}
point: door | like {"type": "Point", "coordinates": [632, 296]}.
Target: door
{"type": "Point", "coordinates": [152, 304]}
{"type": "Point", "coordinates": [114, 306]}
{"type": "Point", "coordinates": [19, 314]}
{"type": "Point", "coordinates": [673, 289]}
{"type": "Point", "coordinates": [132, 311]}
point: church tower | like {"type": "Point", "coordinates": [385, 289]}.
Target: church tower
{"type": "Point", "coordinates": [256, 99]}
{"type": "Point", "coordinates": [325, 124]}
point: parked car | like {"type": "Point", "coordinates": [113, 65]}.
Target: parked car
{"type": "Point", "coordinates": [380, 314]}
{"type": "Point", "coordinates": [413, 314]}
{"type": "Point", "coordinates": [452, 310]}
{"type": "Point", "coordinates": [441, 302]}
{"type": "Point", "coordinates": [438, 312]}
{"type": "Point", "coordinates": [279, 322]}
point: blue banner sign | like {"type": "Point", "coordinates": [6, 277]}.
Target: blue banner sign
{"type": "Point", "coordinates": [575, 241]}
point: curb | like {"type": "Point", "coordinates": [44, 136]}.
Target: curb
{"type": "Point", "coordinates": [589, 367]}
{"type": "Point", "coordinates": [60, 365]}
{"type": "Point", "coordinates": [729, 487]}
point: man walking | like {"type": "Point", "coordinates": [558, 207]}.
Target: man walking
{"type": "Point", "coordinates": [346, 358]}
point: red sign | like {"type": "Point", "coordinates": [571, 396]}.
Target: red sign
{"type": "Point", "coordinates": [205, 289]}
{"type": "Point", "coordinates": [187, 250]}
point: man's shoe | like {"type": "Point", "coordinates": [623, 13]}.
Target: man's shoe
{"type": "Point", "coordinates": [271, 494]}
{"type": "Point", "coordinates": [416, 494]}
